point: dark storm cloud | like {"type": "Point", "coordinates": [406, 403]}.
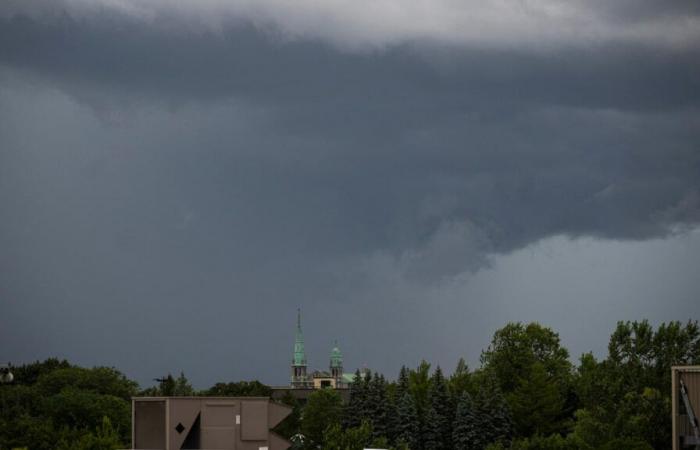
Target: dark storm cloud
{"type": "Point", "coordinates": [248, 62]}
{"type": "Point", "coordinates": [433, 112]}
{"type": "Point", "coordinates": [152, 170]}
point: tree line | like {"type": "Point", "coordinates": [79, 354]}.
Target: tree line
{"type": "Point", "coordinates": [525, 394]}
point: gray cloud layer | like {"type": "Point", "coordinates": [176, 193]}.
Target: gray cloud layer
{"type": "Point", "coordinates": [250, 160]}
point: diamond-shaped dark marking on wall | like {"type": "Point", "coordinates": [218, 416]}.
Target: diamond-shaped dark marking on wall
{"type": "Point", "coordinates": [179, 428]}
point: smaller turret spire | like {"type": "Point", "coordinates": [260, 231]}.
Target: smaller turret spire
{"type": "Point", "coordinates": [337, 365]}
{"type": "Point", "coordinates": [336, 357]}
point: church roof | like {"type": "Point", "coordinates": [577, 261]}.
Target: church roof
{"type": "Point", "coordinates": [348, 377]}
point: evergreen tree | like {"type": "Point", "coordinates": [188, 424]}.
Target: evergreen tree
{"type": "Point", "coordinates": [503, 426]}
{"type": "Point", "coordinates": [466, 434]}
{"type": "Point", "coordinates": [419, 386]}
{"type": "Point", "coordinates": [380, 426]}
{"type": "Point", "coordinates": [408, 429]}
{"type": "Point", "coordinates": [432, 439]}
{"type": "Point", "coordinates": [370, 399]}
{"type": "Point", "coordinates": [367, 401]}
{"type": "Point", "coordinates": [352, 414]}
{"type": "Point", "coordinates": [392, 420]}
{"type": "Point", "coordinates": [493, 413]}
{"type": "Point", "coordinates": [484, 416]}
{"type": "Point", "coordinates": [402, 383]}
{"type": "Point", "coordinates": [400, 388]}
{"type": "Point", "coordinates": [440, 413]}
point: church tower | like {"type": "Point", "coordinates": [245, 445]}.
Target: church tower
{"type": "Point", "coordinates": [337, 365]}
{"type": "Point", "coordinates": [299, 377]}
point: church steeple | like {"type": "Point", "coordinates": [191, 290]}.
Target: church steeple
{"type": "Point", "coordinates": [299, 353]}
{"type": "Point", "coordinates": [299, 377]}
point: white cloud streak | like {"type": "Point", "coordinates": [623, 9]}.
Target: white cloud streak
{"type": "Point", "coordinates": [375, 24]}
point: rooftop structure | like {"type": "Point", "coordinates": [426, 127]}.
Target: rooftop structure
{"type": "Point", "coordinates": [233, 423]}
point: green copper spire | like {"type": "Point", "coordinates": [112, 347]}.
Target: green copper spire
{"type": "Point", "coordinates": [299, 354]}
{"type": "Point", "coordinates": [336, 356]}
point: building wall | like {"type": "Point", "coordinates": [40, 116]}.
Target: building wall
{"type": "Point", "coordinates": [680, 423]}
{"type": "Point", "coordinates": [324, 383]}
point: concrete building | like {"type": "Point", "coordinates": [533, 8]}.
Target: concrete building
{"type": "Point", "coordinates": [232, 423]}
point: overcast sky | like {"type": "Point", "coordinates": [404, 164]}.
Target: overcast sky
{"type": "Point", "coordinates": [178, 177]}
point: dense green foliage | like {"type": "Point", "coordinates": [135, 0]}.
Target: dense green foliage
{"type": "Point", "coordinates": [526, 395]}
{"type": "Point", "coordinates": [239, 389]}
{"type": "Point", "coordinates": [53, 405]}
{"type": "Point", "coordinates": [322, 411]}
